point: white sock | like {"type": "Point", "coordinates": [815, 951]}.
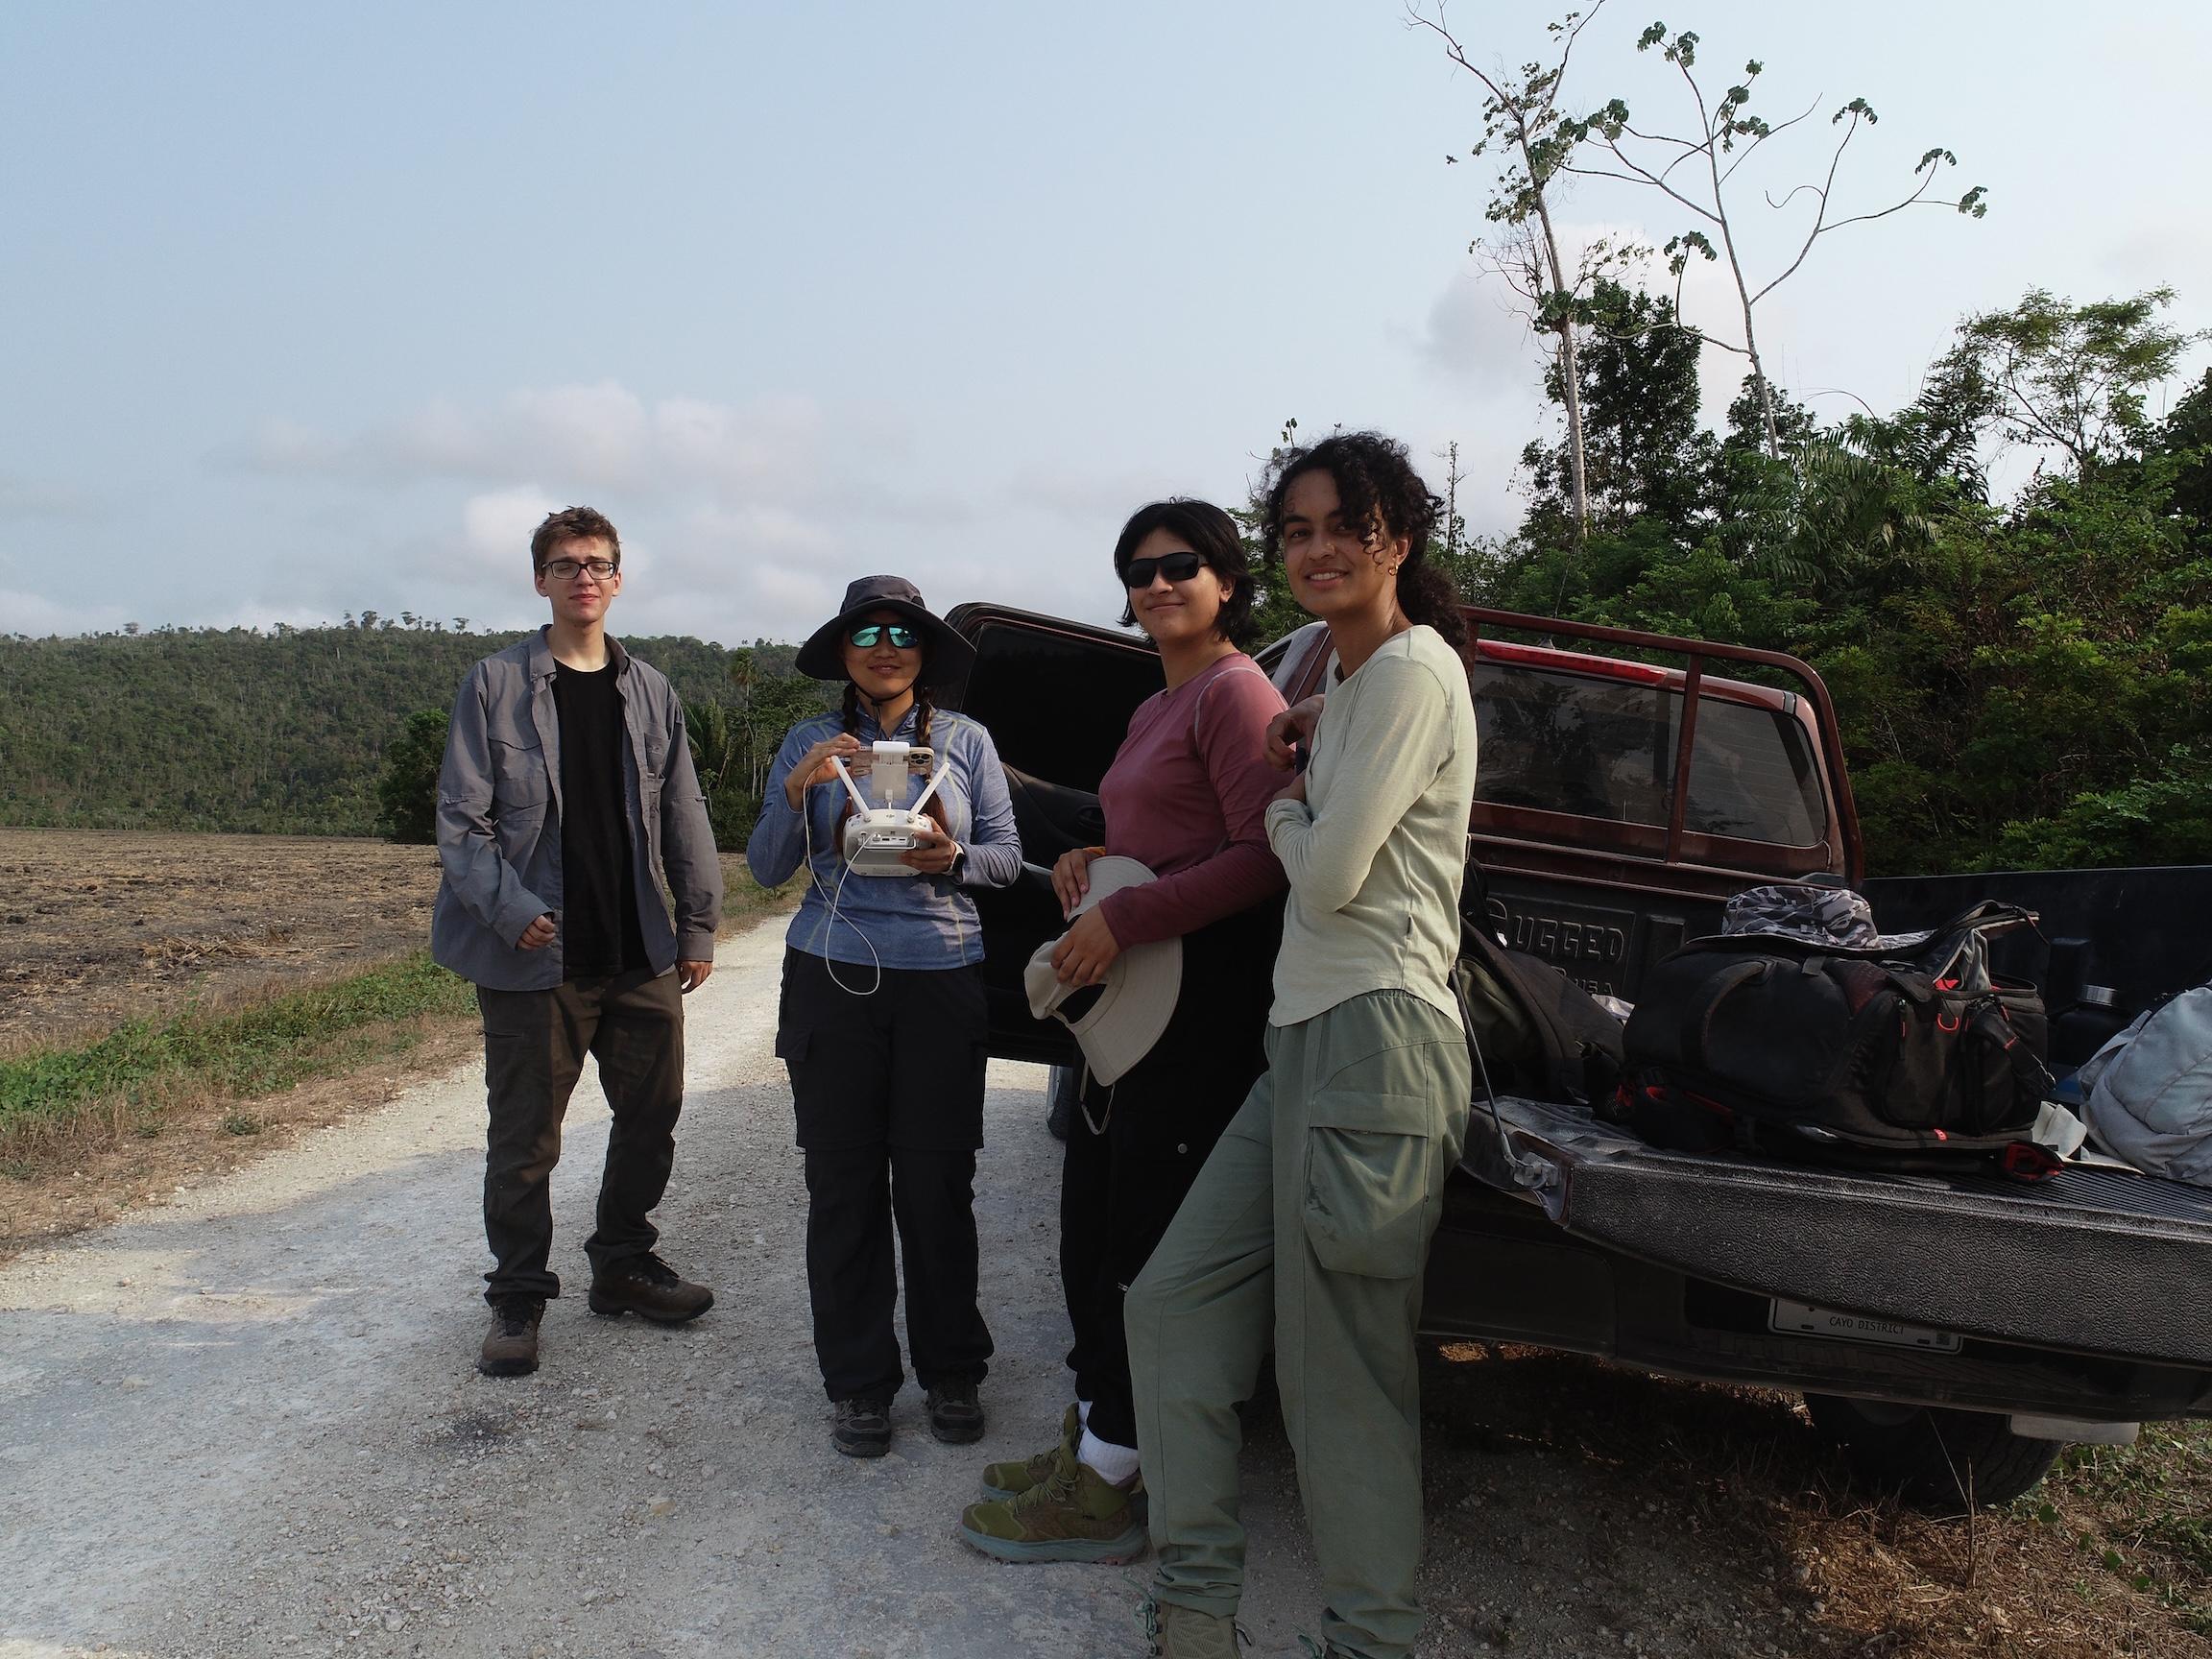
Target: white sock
{"type": "Point", "coordinates": [1083, 1412]}
{"type": "Point", "coordinates": [1116, 1465]}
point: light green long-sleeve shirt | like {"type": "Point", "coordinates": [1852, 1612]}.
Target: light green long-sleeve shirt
{"type": "Point", "coordinates": [1375, 854]}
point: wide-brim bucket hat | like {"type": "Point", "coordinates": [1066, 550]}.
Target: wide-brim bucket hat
{"type": "Point", "coordinates": [1136, 999]}
{"type": "Point", "coordinates": [945, 656]}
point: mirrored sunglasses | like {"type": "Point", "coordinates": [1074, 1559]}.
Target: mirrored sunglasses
{"type": "Point", "coordinates": [865, 636]}
{"type": "Point", "coordinates": [1175, 566]}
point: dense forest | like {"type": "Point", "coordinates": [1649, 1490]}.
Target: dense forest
{"type": "Point", "coordinates": [242, 729]}
{"type": "Point", "coordinates": [2023, 678]}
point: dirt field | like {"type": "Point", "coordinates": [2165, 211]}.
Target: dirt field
{"type": "Point", "coordinates": [99, 927]}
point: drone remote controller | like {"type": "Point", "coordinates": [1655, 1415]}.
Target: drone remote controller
{"type": "Point", "coordinates": [878, 834]}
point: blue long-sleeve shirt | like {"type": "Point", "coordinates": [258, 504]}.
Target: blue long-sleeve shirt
{"type": "Point", "coordinates": [900, 921]}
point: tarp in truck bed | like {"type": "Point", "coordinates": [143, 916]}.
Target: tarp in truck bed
{"type": "Point", "coordinates": [2098, 1261]}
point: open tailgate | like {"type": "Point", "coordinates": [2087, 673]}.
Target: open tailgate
{"type": "Point", "coordinates": [2096, 1260]}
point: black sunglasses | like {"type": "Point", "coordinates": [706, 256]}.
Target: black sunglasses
{"type": "Point", "coordinates": [867, 634]}
{"type": "Point", "coordinates": [1175, 566]}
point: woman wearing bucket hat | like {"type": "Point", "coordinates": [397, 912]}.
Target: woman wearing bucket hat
{"type": "Point", "coordinates": [1309, 1225]}
{"type": "Point", "coordinates": [881, 1022]}
{"type": "Point", "coordinates": [1165, 981]}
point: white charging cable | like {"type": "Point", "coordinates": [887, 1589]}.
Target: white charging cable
{"type": "Point", "coordinates": [831, 917]}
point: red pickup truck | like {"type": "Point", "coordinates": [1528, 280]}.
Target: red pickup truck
{"type": "Point", "coordinates": [1951, 1333]}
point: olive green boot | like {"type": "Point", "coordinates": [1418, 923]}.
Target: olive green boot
{"type": "Point", "coordinates": [1004, 1481]}
{"type": "Point", "coordinates": [1177, 1632]}
{"type": "Point", "coordinates": [1073, 1514]}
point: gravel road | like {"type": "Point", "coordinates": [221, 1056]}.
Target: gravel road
{"type": "Point", "coordinates": [245, 1423]}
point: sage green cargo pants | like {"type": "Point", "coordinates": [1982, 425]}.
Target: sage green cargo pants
{"type": "Point", "coordinates": [1311, 1224]}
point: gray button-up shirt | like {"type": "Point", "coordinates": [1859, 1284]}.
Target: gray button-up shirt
{"type": "Point", "coordinates": [499, 821]}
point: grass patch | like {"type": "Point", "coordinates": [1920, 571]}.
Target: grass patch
{"type": "Point", "coordinates": [2111, 1555]}
{"type": "Point", "coordinates": [2142, 1512]}
{"type": "Point", "coordinates": [235, 1053]}
{"type": "Point", "coordinates": [745, 902]}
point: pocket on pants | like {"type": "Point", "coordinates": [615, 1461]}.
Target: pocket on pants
{"type": "Point", "coordinates": [1370, 1168]}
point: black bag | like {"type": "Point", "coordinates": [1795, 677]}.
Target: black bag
{"type": "Point", "coordinates": [1917, 1058]}
{"type": "Point", "coordinates": [1536, 1033]}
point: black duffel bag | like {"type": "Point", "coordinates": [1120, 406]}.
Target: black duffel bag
{"type": "Point", "coordinates": [1902, 1058]}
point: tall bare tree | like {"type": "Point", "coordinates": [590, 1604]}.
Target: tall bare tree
{"type": "Point", "coordinates": [1696, 172]}
{"type": "Point", "coordinates": [1523, 120]}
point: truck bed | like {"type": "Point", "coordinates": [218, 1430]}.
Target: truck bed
{"type": "Point", "coordinates": [2098, 1261]}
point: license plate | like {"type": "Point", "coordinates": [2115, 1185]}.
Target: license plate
{"type": "Point", "coordinates": [1803, 1319]}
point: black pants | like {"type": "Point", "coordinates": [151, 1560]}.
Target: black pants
{"type": "Point", "coordinates": [533, 1048]}
{"type": "Point", "coordinates": [888, 1091]}
{"type": "Point", "coordinates": [1137, 1146]}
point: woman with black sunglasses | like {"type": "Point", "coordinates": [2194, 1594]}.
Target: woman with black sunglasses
{"type": "Point", "coordinates": [882, 1023]}
{"type": "Point", "coordinates": [1186, 796]}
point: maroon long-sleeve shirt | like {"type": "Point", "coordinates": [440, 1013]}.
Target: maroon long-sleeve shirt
{"type": "Point", "coordinates": [1187, 796]}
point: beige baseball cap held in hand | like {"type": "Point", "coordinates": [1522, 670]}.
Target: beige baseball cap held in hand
{"type": "Point", "coordinates": [1133, 1004]}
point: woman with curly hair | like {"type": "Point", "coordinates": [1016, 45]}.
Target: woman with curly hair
{"type": "Point", "coordinates": [1187, 798]}
{"type": "Point", "coordinates": [1310, 1226]}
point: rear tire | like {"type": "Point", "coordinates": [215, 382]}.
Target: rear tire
{"type": "Point", "coordinates": [1932, 1456]}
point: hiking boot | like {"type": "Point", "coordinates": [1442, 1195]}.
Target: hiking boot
{"type": "Point", "coordinates": [1178, 1632]}
{"type": "Point", "coordinates": [1010, 1479]}
{"type": "Point", "coordinates": [954, 1416]}
{"type": "Point", "coordinates": [648, 1286]}
{"type": "Point", "coordinates": [1004, 1481]}
{"type": "Point", "coordinates": [511, 1346]}
{"type": "Point", "coordinates": [1073, 1514]}
{"type": "Point", "coordinates": [863, 1427]}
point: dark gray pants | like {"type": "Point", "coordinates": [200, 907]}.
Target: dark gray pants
{"type": "Point", "coordinates": [533, 1048]}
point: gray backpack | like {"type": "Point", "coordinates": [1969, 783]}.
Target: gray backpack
{"type": "Point", "coordinates": [2149, 1090]}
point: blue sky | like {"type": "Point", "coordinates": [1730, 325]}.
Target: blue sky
{"type": "Point", "coordinates": [317, 308]}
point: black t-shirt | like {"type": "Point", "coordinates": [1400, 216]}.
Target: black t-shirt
{"type": "Point", "coordinates": [599, 932]}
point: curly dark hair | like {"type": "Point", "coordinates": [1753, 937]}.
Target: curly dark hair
{"type": "Point", "coordinates": [1380, 492]}
{"type": "Point", "coordinates": [574, 524]}
{"type": "Point", "coordinates": [1212, 536]}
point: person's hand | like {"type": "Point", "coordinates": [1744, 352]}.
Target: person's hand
{"type": "Point", "coordinates": [1086, 950]}
{"type": "Point", "coordinates": [691, 974]}
{"type": "Point", "coordinates": [539, 934]}
{"type": "Point", "coordinates": [814, 767]}
{"type": "Point", "coordinates": [1071, 877]}
{"type": "Point", "coordinates": [1294, 790]}
{"type": "Point", "coordinates": [1288, 728]}
{"type": "Point", "coordinates": [932, 853]}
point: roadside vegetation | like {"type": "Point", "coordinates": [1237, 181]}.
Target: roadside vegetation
{"type": "Point", "coordinates": [237, 1055]}
{"type": "Point", "coordinates": [89, 1126]}
{"type": "Point", "coordinates": [2111, 1554]}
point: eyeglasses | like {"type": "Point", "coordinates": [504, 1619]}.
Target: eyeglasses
{"type": "Point", "coordinates": [1175, 566]}
{"type": "Point", "coordinates": [566, 569]}
{"type": "Point", "coordinates": [868, 632]}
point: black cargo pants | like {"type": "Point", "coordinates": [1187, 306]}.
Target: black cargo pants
{"type": "Point", "coordinates": [888, 1089]}
{"type": "Point", "coordinates": [533, 1048]}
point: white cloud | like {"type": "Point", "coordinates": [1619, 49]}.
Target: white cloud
{"type": "Point", "coordinates": [23, 497]}
{"type": "Point", "coordinates": [602, 437]}
{"type": "Point", "coordinates": [35, 616]}
{"type": "Point", "coordinates": [498, 526]}
{"type": "Point", "coordinates": [1476, 336]}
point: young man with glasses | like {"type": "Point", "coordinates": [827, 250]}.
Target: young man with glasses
{"type": "Point", "coordinates": [567, 794]}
